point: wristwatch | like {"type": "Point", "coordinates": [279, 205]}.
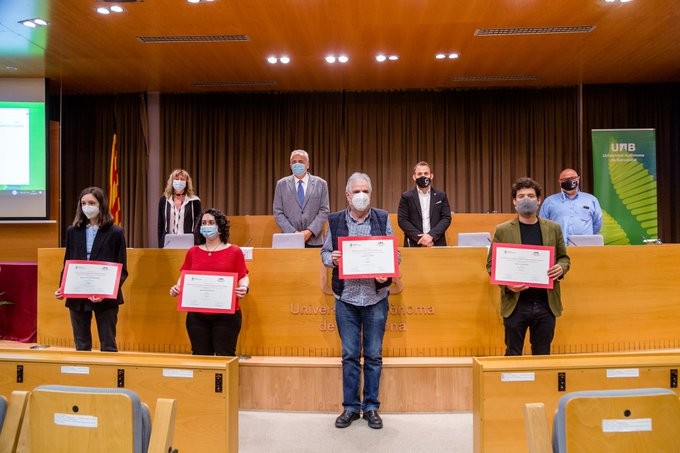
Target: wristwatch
{"type": "Point", "coordinates": [247, 288]}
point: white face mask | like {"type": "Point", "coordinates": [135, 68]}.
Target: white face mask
{"type": "Point", "coordinates": [360, 201]}
{"type": "Point", "coordinates": [179, 184]}
{"type": "Point", "coordinates": [90, 211]}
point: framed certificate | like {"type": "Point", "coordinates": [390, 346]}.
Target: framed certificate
{"type": "Point", "coordinates": [207, 292]}
{"type": "Point", "coordinates": [368, 257]}
{"type": "Point", "coordinates": [84, 279]}
{"type": "Point", "coordinates": [519, 264]}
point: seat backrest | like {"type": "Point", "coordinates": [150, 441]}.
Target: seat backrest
{"type": "Point", "coordinates": [88, 419]}
{"type": "Point", "coordinates": [633, 420]}
{"type": "Point", "coordinates": [12, 419]}
{"type": "Point", "coordinates": [3, 410]}
{"type": "Point", "coordinates": [288, 241]}
{"type": "Point", "coordinates": [481, 239]}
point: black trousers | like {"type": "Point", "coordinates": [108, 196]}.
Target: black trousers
{"type": "Point", "coordinates": [539, 319]}
{"type": "Point", "coordinates": [213, 334]}
{"type": "Point", "coordinates": [81, 322]}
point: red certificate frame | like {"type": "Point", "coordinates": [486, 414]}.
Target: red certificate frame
{"type": "Point", "coordinates": [215, 275]}
{"type": "Point", "coordinates": [71, 266]}
{"type": "Point", "coordinates": [538, 248]}
{"type": "Point", "coordinates": [345, 240]}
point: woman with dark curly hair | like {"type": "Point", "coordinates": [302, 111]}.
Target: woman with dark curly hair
{"type": "Point", "coordinates": [215, 334]}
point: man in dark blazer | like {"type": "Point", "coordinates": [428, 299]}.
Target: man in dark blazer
{"type": "Point", "coordinates": [424, 213]}
{"type": "Point", "coordinates": [523, 307]}
{"type": "Point", "coordinates": [301, 201]}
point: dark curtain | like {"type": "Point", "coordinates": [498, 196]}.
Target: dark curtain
{"type": "Point", "coordinates": [478, 141]}
{"type": "Point", "coordinates": [88, 124]}
{"type": "Point", "coordinates": [236, 146]}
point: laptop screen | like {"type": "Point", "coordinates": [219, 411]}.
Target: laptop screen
{"type": "Point", "coordinates": [288, 241]}
{"type": "Point", "coordinates": [178, 241]}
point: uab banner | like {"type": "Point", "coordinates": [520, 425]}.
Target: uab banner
{"type": "Point", "coordinates": [624, 173]}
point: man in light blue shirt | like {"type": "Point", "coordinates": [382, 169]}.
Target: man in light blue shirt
{"type": "Point", "coordinates": [577, 212]}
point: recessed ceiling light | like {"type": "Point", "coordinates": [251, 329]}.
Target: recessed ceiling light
{"type": "Point", "coordinates": [330, 59]}
{"type": "Point", "coordinates": [380, 57]}
{"type": "Point", "coordinates": [33, 23]}
{"type": "Point", "coordinates": [393, 57]}
{"type": "Point", "coordinates": [440, 56]}
{"type": "Point", "coordinates": [284, 59]}
{"type": "Point", "coordinates": [116, 9]}
{"type": "Point", "coordinates": [343, 58]}
{"type": "Point", "coordinates": [453, 56]}
{"type": "Point", "coordinates": [272, 60]}
{"type": "Point", "coordinates": [102, 10]}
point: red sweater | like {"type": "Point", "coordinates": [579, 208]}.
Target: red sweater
{"type": "Point", "coordinates": [227, 260]}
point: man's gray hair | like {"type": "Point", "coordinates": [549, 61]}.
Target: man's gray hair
{"type": "Point", "coordinates": [299, 152]}
{"type": "Point", "coordinates": [358, 176]}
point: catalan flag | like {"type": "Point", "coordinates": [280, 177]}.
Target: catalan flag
{"type": "Point", "coordinates": [114, 192]}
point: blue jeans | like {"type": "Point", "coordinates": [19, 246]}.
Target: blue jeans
{"type": "Point", "coordinates": [350, 320]}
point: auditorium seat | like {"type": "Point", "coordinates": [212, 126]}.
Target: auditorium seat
{"type": "Point", "coordinates": [608, 420]}
{"type": "Point", "coordinates": [91, 419]}
{"type": "Point", "coordinates": [11, 419]}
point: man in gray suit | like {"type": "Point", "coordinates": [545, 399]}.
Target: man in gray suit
{"type": "Point", "coordinates": [524, 307]}
{"type": "Point", "coordinates": [301, 201]}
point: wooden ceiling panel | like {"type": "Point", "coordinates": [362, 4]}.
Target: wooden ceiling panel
{"type": "Point", "coordinates": [635, 42]}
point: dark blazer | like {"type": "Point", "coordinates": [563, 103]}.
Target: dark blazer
{"type": "Point", "coordinates": [508, 233]}
{"type": "Point", "coordinates": [109, 245]}
{"type": "Point", "coordinates": [410, 217]}
{"type": "Point", "coordinates": [192, 210]}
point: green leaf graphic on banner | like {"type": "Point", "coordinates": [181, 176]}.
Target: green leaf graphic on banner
{"type": "Point", "coordinates": [624, 181]}
{"type": "Point", "coordinates": [636, 188]}
{"type": "Point", "coordinates": [613, 232]}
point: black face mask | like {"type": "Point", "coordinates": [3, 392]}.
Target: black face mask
{"type": "Point", "coordinates": [423, 181]}
{"type": "Point", "coordinates": [569, 185]}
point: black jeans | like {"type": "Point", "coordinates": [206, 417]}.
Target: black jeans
{"type": "Point", "coordinates": [213, 334]}
{"type": "Point", "coordinates": [81, 322]}
{"type": "Point", "coordinates": [539, 319]}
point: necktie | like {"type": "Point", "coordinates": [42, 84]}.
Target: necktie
{"type": "Point", "coordinates": [300, 193]}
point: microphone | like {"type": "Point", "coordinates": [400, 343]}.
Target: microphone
{"type": "Point", "coordinates": [649, 241]}
{"type": "Point", "coordinates": [572, 242]}
{"type": "Point", "coordinates": [247, 242]}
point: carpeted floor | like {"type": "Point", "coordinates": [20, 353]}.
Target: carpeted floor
{"type": "Point", "coordinates": [296, 432]}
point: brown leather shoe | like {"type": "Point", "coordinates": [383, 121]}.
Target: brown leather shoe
{"type": "Point", "coordinates": [374, 420]}
{"type": "Point", "coordinates": [346, 418]}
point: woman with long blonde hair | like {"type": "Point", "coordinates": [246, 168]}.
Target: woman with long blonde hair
{"type": "Point", "coordinates": [179, 208]}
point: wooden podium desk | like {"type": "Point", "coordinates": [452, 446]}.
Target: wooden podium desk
{"type": "Point", "coordinates": [616, 298]}
{"type": "Point", "coordinates": [257, 230]}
